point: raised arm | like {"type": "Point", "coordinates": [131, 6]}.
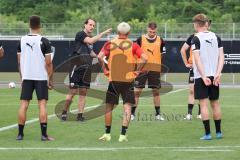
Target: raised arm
{"type": "Point", "coordinates": [91, 40]}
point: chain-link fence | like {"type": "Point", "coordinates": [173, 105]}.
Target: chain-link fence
{"type": "Point", "coordinates": [170, 31]}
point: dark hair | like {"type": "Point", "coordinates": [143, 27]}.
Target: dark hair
{"type": "Point", "coordinates": [86, 21]}
{"type": "Point", "coordinates": [34, 22]}
{"type": "Point", "coordinates": [152, 25]}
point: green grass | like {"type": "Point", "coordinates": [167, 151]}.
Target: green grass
{"type": "Point", "coordinates": [141, 133]}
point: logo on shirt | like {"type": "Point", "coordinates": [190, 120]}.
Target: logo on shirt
{"type": "Point", "coordinates": [209, 41]}
{"type": "Point", "coordinates": [31, 46]}
{"type": "Point", "coordinates": [150, 51]}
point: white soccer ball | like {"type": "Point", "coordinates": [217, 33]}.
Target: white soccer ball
{"type": "Point", "coordinates": [11, 85]}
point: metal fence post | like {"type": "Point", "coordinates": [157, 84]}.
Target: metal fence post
{"type": "Point", "coordinates": [233, 79]}
{"type": "Point", "coordinates": [98, 28]}
{"type": "Point", "coordinates": [233, 30]}
{"type": "Point", "coordinates": [165, 30]}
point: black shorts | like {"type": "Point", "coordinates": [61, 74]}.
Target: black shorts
{"type": "Point", "coordinates": [152, 77]}
{"type": "Point", "coordinates": [125, 89]}
{"type": "Point", "coordinates": [80, 78]}
{"type": "Point", "coordinates": [28, 86]}
{"type": "Point", "coordinates": [201, 91]}
{"type": "Point", "coordinates": [191, 76]}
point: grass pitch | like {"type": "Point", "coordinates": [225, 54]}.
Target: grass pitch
{"type": "Point", "coordinates": [173, 138]}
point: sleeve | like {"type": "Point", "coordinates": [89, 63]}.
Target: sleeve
{"type": "Point", "coordinates": [139, 41]}
{"type": "Point", "coordinates": [46, 46]}
{"type": "Point", "coordinates": [80, 36]}
{"type": "Point", "coordinates": [0, 44]}
{"type": "Point", "coordinates": [106, 48]}
{"type": "Point", "coordinates": [219, 42]}
{"type": "Point", "coordinates": [195, 43]}
{"type": "Point", "coordinates": [19, 47]}
{"type": "Point", "coordinates": [136, 49]}
{"type": "Point", "coordinates": [163, 48]}
{"type": "Point", "coordinates": [188, 41]}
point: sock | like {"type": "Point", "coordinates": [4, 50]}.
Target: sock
{"type": "Point", "coordinates": [218, 125]}
{"type": "Point", "coordinates": [64, 112]}
{"type": "Point", "coordinates": [124, 130]}
{"type": "Point", "coordinates": [107, 129]}
{"type": "Point", "coordinates": [80, 115]}
{"type": "Point", "coordinates": [199, 109]}
{"type": "Point", "coordinates": [44, 129]}
{"type": "Point", "coordinates": [206, 126]}
{"type": "Point", "coordinates": [20, 129]}
{"type": "Point", "coordinates": [133, 109]}
{"type": "Point", "coordinates": [157, 108]}
{"type": "Point", "coordinates": [190, 108]}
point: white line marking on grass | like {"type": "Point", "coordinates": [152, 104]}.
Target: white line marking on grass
{"type": "Point", "coordinates": [185, 149]}
{"type": "Point", "coordinates": [178, 90]}
{"type": "Point", "coordinates": [204, 150]}
{"type": "Point", "coordinates": [53, 115]}
{"type": "Point", "coordinates": [37, 119]}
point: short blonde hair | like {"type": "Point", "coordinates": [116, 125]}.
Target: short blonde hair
{"type": "Point", "coordinates": [123, 28]}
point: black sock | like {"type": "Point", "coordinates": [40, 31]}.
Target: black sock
{"type": "Point", "coordinates": [64, 112]}
{"type": "Point", "coordinates": [218, 125]}
{"type": "Point", "coordinates": [157, 108]}
{"type": "Point", "coordinates": [190, 108]}
{"type": "Point", "coordinates": [199, 109]}
{"type": "Point", "coordinates": [133, 109]}
{"type": "Point", "coordinates": [44, 129]}
{"type": "Point", "coordinates": [206, 126]}
{"type": "Point", "coordinates": [107, 129]}
{"type": "Point", "coordinates": [124, 130]}
{"type": "Point", "coordinates": [80, 115]}
{"type": "Point", "coordinates": [20, 129]}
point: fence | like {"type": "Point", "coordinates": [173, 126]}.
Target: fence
{"type": "Point", "coordinates": [169, 31]}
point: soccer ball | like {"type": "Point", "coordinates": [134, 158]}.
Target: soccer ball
{"type": "Point", "coordinates": [11, 85]}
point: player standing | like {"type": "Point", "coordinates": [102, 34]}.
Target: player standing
{"type": "Point", "coordinates": [122, 56]}
{"type": "Point", "coordinates": [208, 64]}
{"type": "Point", "coordinates": [188, 63]}
{"type": "Point", "coordinates": [154, 46]}
{"type": "Point", "coordinates": [80, 78]}
{"type": "Point", "coordinates": [35, 66]}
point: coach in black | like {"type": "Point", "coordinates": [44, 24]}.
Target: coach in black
{"type": "Point", "coordinates": [35, 66]}
{"type": "Point", "coordinates": [208, 64]}
{"type": "Point", "coordinates": [80, 76]}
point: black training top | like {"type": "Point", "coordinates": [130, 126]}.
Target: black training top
{"type": "Point", "coordinates": [45, 45]}
{"type": "Point", "coordinates": [80, 46]}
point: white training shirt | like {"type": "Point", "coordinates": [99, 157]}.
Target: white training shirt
{"type": "Point", "coordinates": [32, 60]}
{"type": "Point", "coordinates": [208, 44]}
